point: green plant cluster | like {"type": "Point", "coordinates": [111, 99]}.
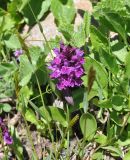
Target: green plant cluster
{"type": "Point", "coordinates": [101, 111]}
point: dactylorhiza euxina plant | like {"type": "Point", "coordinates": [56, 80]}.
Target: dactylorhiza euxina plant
{"type": "Point", "coordinates": [6, 136]}
{"type": "Point", "coordinates": [67, 67]}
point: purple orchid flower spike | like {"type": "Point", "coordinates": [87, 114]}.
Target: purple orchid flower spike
{"type": "Point", "coordinates": [67, 69]}
{"type": "Point", "coordinates": [67, 66]}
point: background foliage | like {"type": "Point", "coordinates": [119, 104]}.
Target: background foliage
{"type": "Point", "coordinates": [101, 111]}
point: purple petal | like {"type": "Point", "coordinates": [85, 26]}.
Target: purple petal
{"type": "Point", "coordinates": [68, 97]}
{"type": "Point", "coordinates": [7, 138]}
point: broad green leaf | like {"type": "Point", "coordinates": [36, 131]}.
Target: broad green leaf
{"type": "Point", "coordinates": [54, 114]}
{"type": "Point", "coordinates": [63, 12]}
{"type": "Point", "coordinates": [6, 107]}
{"type": "Point", "coordinates": [109, 61]}
{"type": "Point", "coordinates": [78, 38]}
{"type": "Point", "coordinates": [116, 118]}
{"type": "Point", "coordinates": [127, 156]}
{"type": "Point", "coordinates": [109, 6]}
{"type": "Point", "coordinates": [12, 41]}
{"type": "Point", "coordinates": [118, 100]}
{"type": "Point", "coordinates": [97, 156]}
{"type": "Point", "coordinates": [30, 116]}
{"type": "Point", "coordinates": [105, 103]}
{"type": "Point", "coordinates": [44, 8]}
{"type": "Point", "coordinates": [77, 95]}
{"type": "Point", "coordinates": [99, 41]}
{"type": "Point", "coordinates": [58, 115]}
{"type": "Point", "coordinates": [38, 10]}
{"type": "Point", "coordinates": [112, 19]}
{"type": "Point", "coordinates": [119, 50]}
{"type": "Point", "coordinates": [26, 68]}
{"type": "Point", "coordinates": [7, 22]}
{"type": "Point", "coordinates": [101, 139]}
{"type": "Point", "coordinates": [88, 125]}
{"type": "Point", "coordinates": [115, 150]}
{"type": "Point", "coordinates": [103, 80]}
{"type": "Point", "coordinates": [67, 30]}
{"type": "Point", "coordinates": [42, 111]}
{"type": "Point", "coordinates": [7, 68]}
{"type": "Point", "coordinates": [13, 8]}
{"type": "Point", "coordinates": [24, 3]}
{"type": "Point", "coordinates": [25, 93]}
{"type": "Point", "coordinates": [124, 143]}
{"type": "Point", "coordinates": [101, 45]}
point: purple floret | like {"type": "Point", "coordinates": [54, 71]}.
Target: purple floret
{"type": "Point", "coordinates": [6, 136]}
{"type": "Point", "coordinates": [67, 66]}
{"type": "Point", "coordinates": [17, 53]}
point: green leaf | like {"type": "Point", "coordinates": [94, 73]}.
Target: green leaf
{"type": "Point", "coordinates": [7, 68]}
{"type": "Point", "coordinates": [115, 150]}
{"type": "Point", "coordinates": [103, 80]}
{"type": "Point", "coordinates": [101, 139]}
{"type": "Point", "coordinates": [24, 94]}
{"type": "Point", "coordinates": [105, 103]}
{"type": "Point", "coordinates": [101, 45]}
{"type": "Point", "coordinates": [124, 143]}
{"type": "Point", "coordinates": [87, 23]}
{"type": "Point", "coordinates": [119, 50]}
{"type": "Point", "coordinates": [120, 28]}
{"type": "Point", "coordinates": [78, 38]}
{"type": "Point", "coordinates": [6, 21]}
{"type": "Point", "coordinates": [30, 116]}
{"type": "Point", "coordinates": [97, 156]}
{"type": "Point", "coordinates": [58, 115]}
{"type": "Point", "coordinates": [26, 68]}
{"type": "Point", "coordinates": [44, 8]}
{"type": "Point", "coordinates": [88, 125]}
{"type": "Point", "coordinates": [63, 12]}
{"type": "Point", "coordinates": [38, 9]}
{"type": "Point", "coordinates": [127, 156]}
{"type": "Point", "coordinates": [99, 41]}
{"type": "Point", "coordinates": [12, 41]}
{"type": "Point", "coordinates": [51, 114]}
{"type": "Point", "coordinates": [67, 30]}
{"type": "Point", "coordinates": [116, 118]}
{"type": "Point", "coordinates": [128, 65]}
{"type": "Point", "coordinates": [13, 8]}
{"type": "Point", "coordinates": [109, 6]}
{"type": "Point", "coordinates": [6, 107]}
{"type": "Point", "coordinates": [109, 61]}
{"type": "Point", "coordinates": [118, 100]}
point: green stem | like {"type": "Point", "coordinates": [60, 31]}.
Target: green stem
{"type": "Point", "coordinates": [30, 137]}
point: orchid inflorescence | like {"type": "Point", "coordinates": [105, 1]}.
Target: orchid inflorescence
{"type": "Point", "coordinates": [67, 66]}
